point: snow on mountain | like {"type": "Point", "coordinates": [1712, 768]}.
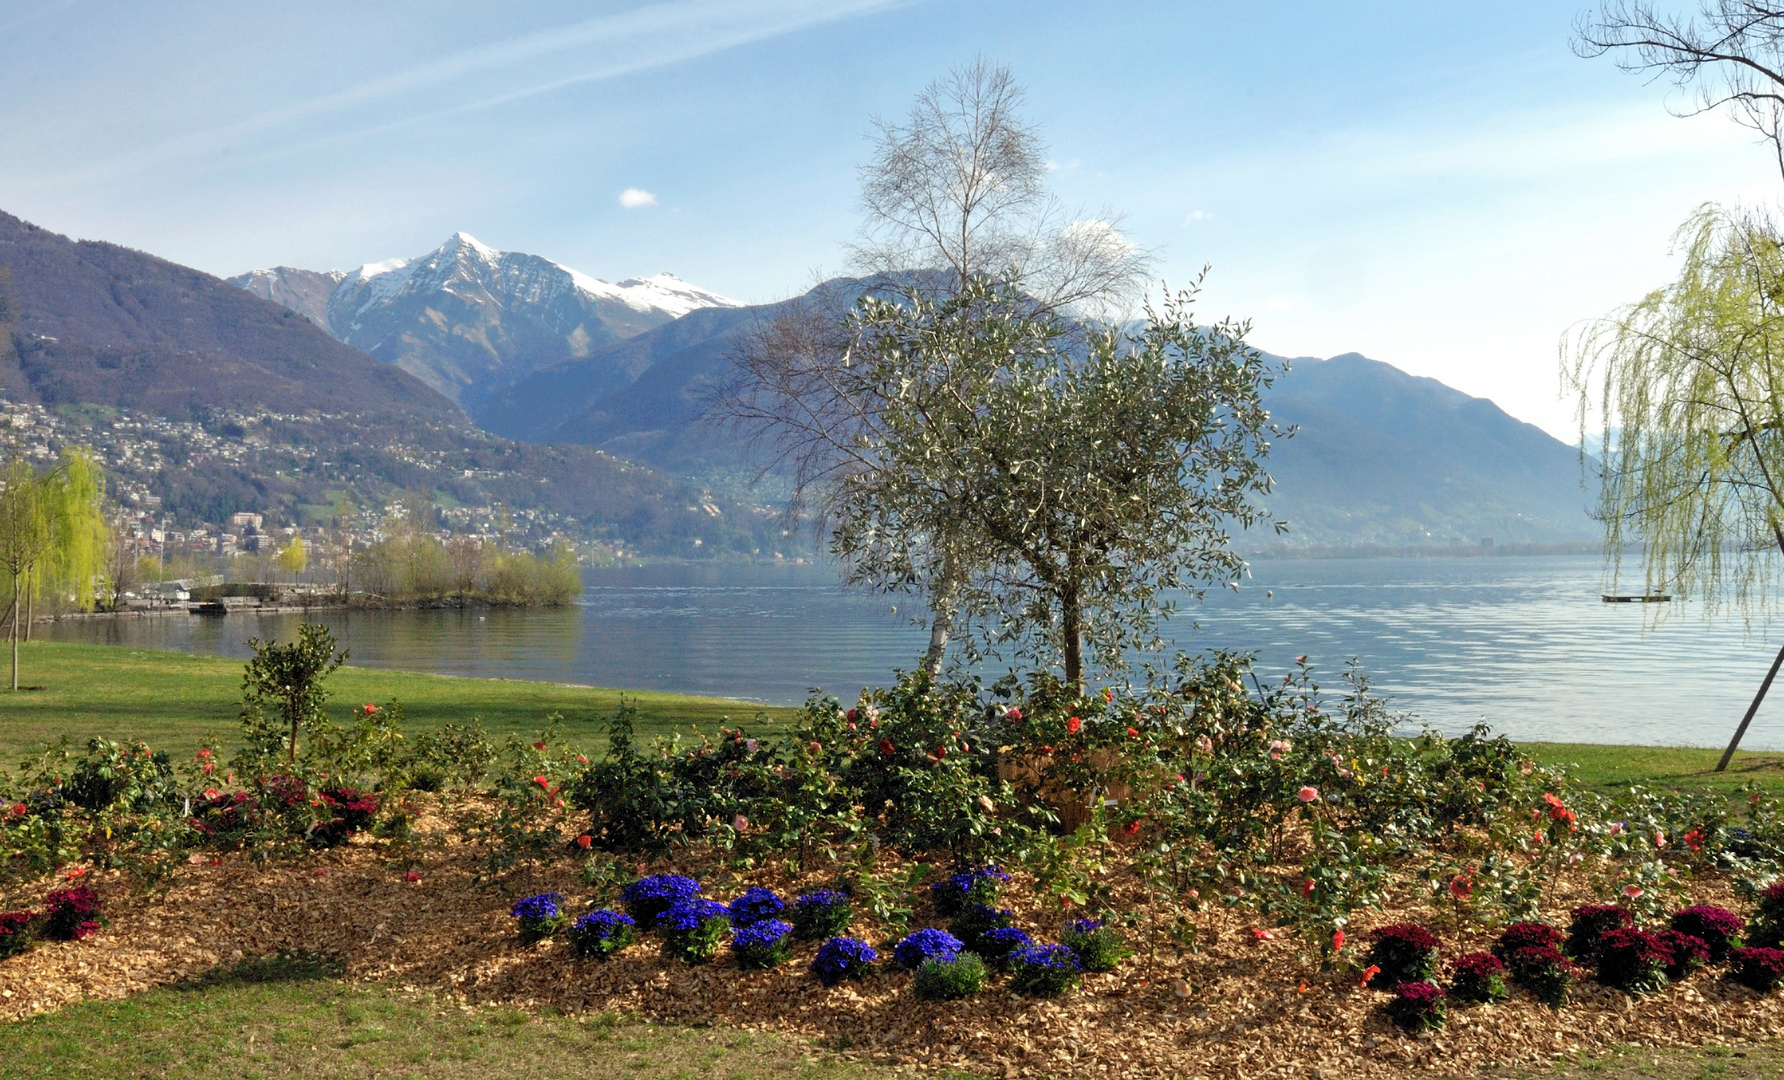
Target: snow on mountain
{"type": "Point", "coordinates": [303, 291]}
{"type": "Point", "coordinates": [471, 320]}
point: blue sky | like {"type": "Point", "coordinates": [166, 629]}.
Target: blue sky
{"type": "Point", "coordinates": [1445, 187]}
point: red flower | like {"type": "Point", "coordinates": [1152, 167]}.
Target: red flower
{"type": "Point", "coordinates": [19, 809]}
{"type": "Point", "coordinates": [538, 746]}
{"type": "Point", "coordinates": [582, 759]}
{"type": "Point", "coordinates": [1259, 934]}
{"type": "Point", "coordinates": [1307, 887]}
{"type": "Point", "coordinates": [1073, 725]}
{"type": "Point", "coordinates": [1133, 733]}
{"type": "Point", "coordinates": [584, 841]}
{"type": "Point", "coordinates": [204, 754]}
{"type": "Point", "coordinates": [1013, 715]}
{"type": "Point", "coordinates": [1694, 840]}
{"type": "Point", "coordinates": [886, 748]}
{"type": "Point", "coordinates": [1369, 972]}
{"type": "Point", "coordinates": [370, 708]}
{"type": "Point", "coordinates": [1461, 886]}
{"type": "Point", "coordinates": [1337, 941]}
{"type": "Point", "coordinates": [939, 753]}
{"type": "Point", "coordinates": [1131, 828]}
{"type": "Point", "coordinates": [853, 715]}
{"type": "Point", "coordinates": [413, 877]}
{"type": "Point", "coordinates": [542, 782]}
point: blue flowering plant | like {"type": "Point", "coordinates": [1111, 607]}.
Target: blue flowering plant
{"type": "Point", "coordinates": [600, 934]}
{"type": "Point", "coordinates": [971, 886]}
{"type": "Point", "coordinates": [975, 920]}
{"type": "Point", "coordinates": [754, 906]}
{"type": "Point", "coordinates": [820, 915]}
{"type": "Point", "coordinates": [540, 915]}
{"type": "Point", "coordinates": [922, 945]}
{"type": "Point", "coordinates": [1098, 947]}
{"type": "Point", "coordinates": [843, 958]}
{"type": "Point", "coordinates": [649, 897]}
{"type": "Point", "coordinates": [1045, 970]}
{"type": "Point", "coordinates": [762, 945]}
{"type": "Point", "coordinates": [997, 945]}
{"type": "Point", "coordinates": [693, 930]}
{"type": "Point", "coordinates": [950, 978]}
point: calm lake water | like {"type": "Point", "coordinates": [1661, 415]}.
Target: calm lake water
{"type": "Point", "coordinates": [1523, 643]}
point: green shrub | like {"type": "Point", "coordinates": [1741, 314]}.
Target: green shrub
{"type": "Point", "coordinates": [950, 980]}
{"type": "Point", "coordinates": [1098, 947]}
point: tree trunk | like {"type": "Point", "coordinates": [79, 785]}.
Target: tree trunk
{"type": "Point", "coordinates": [941, 619]}
{"type": "Point", "coordinates": [1765, 684]}
{"type": "Point", "coordinates": [1072, 632]}
{"type": "Point", "coordinates": [15, 632]}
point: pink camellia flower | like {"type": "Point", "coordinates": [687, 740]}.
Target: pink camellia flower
{"type": "Point", "coordinates": [1205, 745]}
{"type": "Point", "coordinates": [817, 748]}
{"type": "Point", "coordinates": [413, 877]}
{"type": "Point", "coordinates": [1632, 891]}
{"type": "Point", "coordinates": [740, 823]}
{"type": "Point", "coordinates": [1308, 794]}
{"type": "Point", "coordinates": [751, 745]}
{"type": "Point", "coordinates": [1013, 715]}
{"type": "Point", "coordinates": [1660, 840]}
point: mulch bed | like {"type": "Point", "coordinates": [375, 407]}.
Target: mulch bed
{"type": "Point", "coordinates": [1251, 1009]}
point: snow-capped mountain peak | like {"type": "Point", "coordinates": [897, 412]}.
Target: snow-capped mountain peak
{"type": "Point", "coordinates": [470, 319]}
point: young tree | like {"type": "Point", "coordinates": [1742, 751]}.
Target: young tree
{"type": "Point", "coordinates": [954, 196]}
{"type": "Point", "coordinates": [294, 559]}
{"type": "Point", "coordinates": [289, 678]}
{"type": "Point", "coordinates": [1731, 54]}
{"type": "Point", "coordinates": [1688, 385]}
{"type": "Point", "coordinates": [1085, 484]}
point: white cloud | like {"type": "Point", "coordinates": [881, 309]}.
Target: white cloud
{"type": "Point", "coordinates": [1197, 215]}
{"type": "Point", "coordinates": [632, 198]}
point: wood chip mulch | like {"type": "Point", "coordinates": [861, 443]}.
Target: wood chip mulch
{"type": "Point", "coordinates": [1251, 1009]}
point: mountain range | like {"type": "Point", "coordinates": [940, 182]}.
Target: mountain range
{"type": "Point", "coordinates": [469, 320]}
{"type": "Point", "coordinates": [132, 351]}
{"type": "Point", "coordinates": [584, 397]}
{"type": "Point", "coordinates": [1380, 457]}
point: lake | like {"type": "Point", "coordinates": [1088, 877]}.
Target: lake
{"type": "Point", "coordinates": [1521, 642]}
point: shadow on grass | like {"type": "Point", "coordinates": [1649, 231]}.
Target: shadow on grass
{"type": "Point", "coordinates": [291, 967]}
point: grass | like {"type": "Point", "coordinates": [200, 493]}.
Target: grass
{"type": "Point", "coordinates": [293, 1019]}
{"type": "Point", "coordinates": [1763, 1061]}
{"type": "Point", "coordinates": [1675, 767]}
{"type": "Point", "coordinates": [175, 700]}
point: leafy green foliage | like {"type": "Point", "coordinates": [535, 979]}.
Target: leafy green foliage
{"type": "Point", "coordinates": [950, 979]}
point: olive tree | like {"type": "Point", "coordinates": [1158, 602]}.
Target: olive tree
{"type": "Point", "coordinates": [954, 197]}
{"type": "Point", "coordinates": [1688, 387]}
{"type": "Point", "coordinates": [288, 678]}
{"type": "Point", "coordinates": [1086, 476]}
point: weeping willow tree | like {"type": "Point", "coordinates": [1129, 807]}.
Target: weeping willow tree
{"type": "Point", "coordinates": [1688, 387]}
{"type": "Point", "coordinates": [54, 536]}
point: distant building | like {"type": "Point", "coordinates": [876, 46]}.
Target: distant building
{"type": "Point", "coordinates": [247, 521]}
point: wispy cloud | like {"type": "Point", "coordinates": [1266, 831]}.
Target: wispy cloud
{"type": "Point", "coordinates": [632, 198]}
{"type": "Point", "coordinates": [604, 47]}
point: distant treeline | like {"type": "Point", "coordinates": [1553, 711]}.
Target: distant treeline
{"type": "Point", "coordinates": [421, 569]}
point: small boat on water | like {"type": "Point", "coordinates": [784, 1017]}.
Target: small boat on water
{"type": "Point", "coordinates": [1635, 598]}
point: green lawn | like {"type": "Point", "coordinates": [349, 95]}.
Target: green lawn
{"type": "Point", "coordinates": [174, 700]}
{"type": "Point", "coordinates": [294, 1020]}
{"type": "Point", "coordinates": [1662, 766]}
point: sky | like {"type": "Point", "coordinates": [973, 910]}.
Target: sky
{"type": "Point", "coordinates": [1443, 187]}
